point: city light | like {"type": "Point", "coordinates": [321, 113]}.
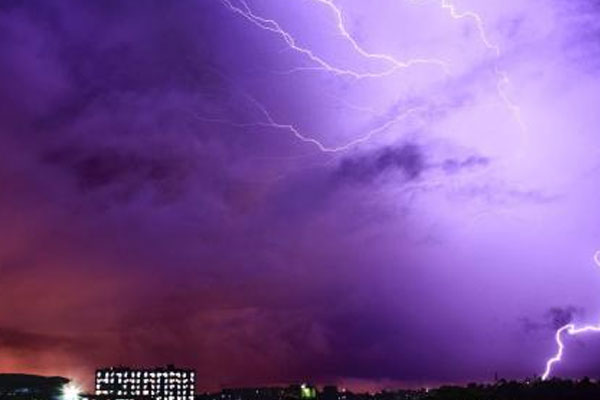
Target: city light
{"type": "Point", "coordinates": [70, 392]}
{"type": "Point", "coordinates": [307, 392]}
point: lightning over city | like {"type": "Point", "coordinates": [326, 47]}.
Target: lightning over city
{"type": "Point", "coordinates": [299, 200]}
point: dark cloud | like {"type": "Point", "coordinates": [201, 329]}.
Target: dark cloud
{"type": "Point", "coordinates": [452, 166]}
{"type": "Point", "coordinates": [37, 343]}
{"type": "Point", "coordinates": [560, 316]}
{"type": "Point", "coordinates": [553, 319]}
{"type": "Point", "coordinates": [117, 170]}
{"type": "Point", "coordinates": [408, 159]}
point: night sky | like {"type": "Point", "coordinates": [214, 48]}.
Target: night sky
{"type": "Point", "coordinates": [369, 193]}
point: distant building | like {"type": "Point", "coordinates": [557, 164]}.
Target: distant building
{"type": "Point", "coordinates": [121, 383]}
{"type": "Point", "coordinates": [292, 392]}
{"type": "Point", "coordinates": [330, 393]}
{"type": "Point", "coordinates": [31, 387]}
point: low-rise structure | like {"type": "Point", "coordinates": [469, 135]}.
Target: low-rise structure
{"type": "Point", "coordinates": [123, 383]}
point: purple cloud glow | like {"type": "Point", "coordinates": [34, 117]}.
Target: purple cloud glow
{"type": "Point", "coordinates": [394, 193]}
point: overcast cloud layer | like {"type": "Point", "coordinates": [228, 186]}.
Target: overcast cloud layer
{"type": "Point", "coordinates": [180, 185]}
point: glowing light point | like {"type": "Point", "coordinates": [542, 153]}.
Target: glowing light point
{"type": "Point", "coordinates": [70, 392]}
{"type": "Point", "coordinates": [307, 392]}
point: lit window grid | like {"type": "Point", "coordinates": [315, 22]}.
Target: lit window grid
{"type": "Point", "coordinates": [158, 384]}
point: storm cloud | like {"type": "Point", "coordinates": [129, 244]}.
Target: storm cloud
{"type": "Point", "coordinates": [179, 184]}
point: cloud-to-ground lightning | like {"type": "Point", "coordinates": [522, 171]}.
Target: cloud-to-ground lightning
{"type": "Point", "coordinates": [572, 330]}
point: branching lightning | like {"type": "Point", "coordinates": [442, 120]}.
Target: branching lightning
{"type": "Point", "coordinates": [570, 329]}
{"type": "Point", "coordinates": [392, 65]}
{"type": "Point", "coordinates": [271, 25]}
{"type": "Point", "coordinates": [269, 122]}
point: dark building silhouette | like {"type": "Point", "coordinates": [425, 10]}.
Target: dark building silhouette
{"type": "Point", "coordinates": [330, 393]}
{"type": "Point", "coordinates": [31, 387]}
{"type": "Point", "coordinates": [292, 392]}
{"type": "Point", "coordinates": [529, 389]}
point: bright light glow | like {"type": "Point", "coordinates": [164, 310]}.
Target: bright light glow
{"type": "Point", "coordinates": [571, 330]}
{"type": "Point", "coordinates": [70, 392]}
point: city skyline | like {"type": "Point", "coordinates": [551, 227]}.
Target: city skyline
{"type": "Point", "coordinates": [396, 194]}
{"type": "Point", "coordinates": [160, 383]}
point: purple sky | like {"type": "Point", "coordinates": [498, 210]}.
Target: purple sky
{"type": "Point", "coordinates": [268, 192]}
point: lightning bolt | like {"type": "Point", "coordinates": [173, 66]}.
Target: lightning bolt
{"type": "Point", "coordinates": [243, 9]}
{"type": "Point", "coordinates": [446, 5]}
{"type": "Point", "coordinates": [270, 122]}
{"type": "Point", "coordinates": [572, 330]}
{"type": "Point", "coordinates": [503, 79]}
